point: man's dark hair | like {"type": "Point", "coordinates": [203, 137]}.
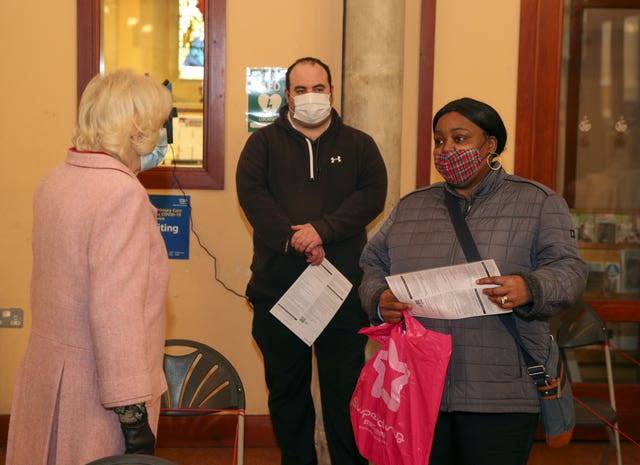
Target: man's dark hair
{"type": "Point", "coordinates": [479, 113]}
{"type": "Point", "coordinates": [312, 61]}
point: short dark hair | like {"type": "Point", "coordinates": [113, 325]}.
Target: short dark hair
{"type": "Point", "coordinates": [312, 61]}
{"type": "Point", "coordinates": [479, 113]}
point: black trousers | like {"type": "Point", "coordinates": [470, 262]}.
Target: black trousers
{"type": "Point", "coordinates": [287, 365]}
{"type": "Point", "coordinates": [463, 438]}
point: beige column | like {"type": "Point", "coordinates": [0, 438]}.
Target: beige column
{"type": "Point", "coordinates": [373, 76]}
{"type": "Point", "coordinates": [372, 102]}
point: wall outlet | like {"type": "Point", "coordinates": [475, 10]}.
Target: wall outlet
{"type": "Point", "coordinates": [11, 318]}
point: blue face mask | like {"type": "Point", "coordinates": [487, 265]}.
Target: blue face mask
{"type": "Point", "coordinates": [153, 159]}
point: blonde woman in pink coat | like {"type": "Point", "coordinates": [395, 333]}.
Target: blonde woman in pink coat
{"type": "Point", "coordinates": [90, 381]}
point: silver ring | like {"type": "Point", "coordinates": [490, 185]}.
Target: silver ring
{"type": "Point", "coordinates": [503, 300]}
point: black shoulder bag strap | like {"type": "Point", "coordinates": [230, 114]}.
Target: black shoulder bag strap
{"type": "Point", "coordinates": [461, 228]}
{"type": "Point", "coordinates": [536, 369]}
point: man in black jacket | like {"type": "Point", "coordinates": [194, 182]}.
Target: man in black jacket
{"type": "Point", "coordinates": [309, 185]}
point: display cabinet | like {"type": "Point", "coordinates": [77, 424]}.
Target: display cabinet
{"type": "Point", "coordinates": [578, 131]}
{"type": "Point", "coordinates": [599, 176]}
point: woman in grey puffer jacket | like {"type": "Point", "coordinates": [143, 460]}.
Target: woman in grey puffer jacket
{"type": "Point", "coordinates": [489, 410]}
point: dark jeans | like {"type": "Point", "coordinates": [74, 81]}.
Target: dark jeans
{"type": "Point", "coordinates": [287, 364]}
{"type": "Point", "coordinates": [463, 438]}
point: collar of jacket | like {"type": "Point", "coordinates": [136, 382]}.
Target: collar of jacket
{"type": "Point", "coordinates": [488, 186]}
{"type": "Point", "coordinates": [283, 121]}
{"type": "Point", "coordinates": [96, 160]}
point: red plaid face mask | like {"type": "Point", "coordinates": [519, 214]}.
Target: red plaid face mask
{"type": "Point", "coordinates": [457, 166]}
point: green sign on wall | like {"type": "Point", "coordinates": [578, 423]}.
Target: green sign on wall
{"type": "Point", "coordinates": [265, 92]}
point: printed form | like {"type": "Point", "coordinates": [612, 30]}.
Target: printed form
{"type": "Point", "coordinates": [449, 292]}
{"type": "Point", "coordinates": [312, 300]}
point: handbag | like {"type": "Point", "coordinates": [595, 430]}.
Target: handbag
{"type": "Point", "coordinates": [557, 412]}
{"type": "Point", "coordinates": [554, 390]}
{"type": "Point", "coordinates": [395, 405]}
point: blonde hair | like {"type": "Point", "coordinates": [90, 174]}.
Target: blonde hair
{"type": "Point", "coordinates": [121, 112]}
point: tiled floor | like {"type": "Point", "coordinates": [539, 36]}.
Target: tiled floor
{"type": "Point", "coordinates": [582, 453]}
{"type": "Point", "coordinates": [577, 453]}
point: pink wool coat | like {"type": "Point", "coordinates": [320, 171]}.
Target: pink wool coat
{"type": "Point", "coordinates": [98, 291]}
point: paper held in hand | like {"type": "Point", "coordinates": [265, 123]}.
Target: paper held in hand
{"type": "Point", "coordinates": [312, 300]}
{"type": "Point", "coordinates": [449, 292]}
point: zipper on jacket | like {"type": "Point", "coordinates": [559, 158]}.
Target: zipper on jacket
{"type": "Point", "coordinates": [467, 207]}
{"type": "Point", "coordinates": [312, 174]}
{"type": "Point", "coordinates": [316, 160]}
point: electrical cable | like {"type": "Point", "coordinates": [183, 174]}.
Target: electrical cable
{"type": "Point", "coordinates": [195, 233]}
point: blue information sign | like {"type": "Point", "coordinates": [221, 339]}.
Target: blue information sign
{"type": "Point", "coordinates": [173, 220]}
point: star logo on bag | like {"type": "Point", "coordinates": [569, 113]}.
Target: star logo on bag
{"type": "Point", "coordinates": [391, 397]}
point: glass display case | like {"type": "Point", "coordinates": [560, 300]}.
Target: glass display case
{"type": "Point", "coordinates": [577, 132]}
{"type": "Point", "coordinates": [598, 173]}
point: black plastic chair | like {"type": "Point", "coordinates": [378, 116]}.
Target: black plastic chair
{"type": "Point", "coordinates": [132, 459]}
{"type": "Point", "coordinates": [582, 328]}
{"type": "Point", "coordinates": [202, 381]}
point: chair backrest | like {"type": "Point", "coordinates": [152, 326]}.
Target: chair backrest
{"type": "Point", "coordinates": [582, 327]}
{"type": "Point", "coordinates": [199, 377]}
{"type": "Point", "coordinates": [132, 459]}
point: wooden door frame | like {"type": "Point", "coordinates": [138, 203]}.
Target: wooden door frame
{"type": "Point", "coordinates": [425, 92]}
{"type": "Point", "coordinates": [538, 100]}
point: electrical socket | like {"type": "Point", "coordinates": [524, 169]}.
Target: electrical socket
{"type": "Point", "coordinates": [11, 318]}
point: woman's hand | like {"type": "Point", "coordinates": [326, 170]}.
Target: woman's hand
{"type": "Point", "coordinates": [511, 291]}
{"type": "Point", "coordinates": [391, 308]}
{"type": "Point", "coordinates": [138, 437]}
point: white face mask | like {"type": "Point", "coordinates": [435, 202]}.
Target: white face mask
{"type": "Point", "coordinates": [312, 108]}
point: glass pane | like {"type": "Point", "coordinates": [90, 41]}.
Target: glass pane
{"type": "Point", "coordinates": [599, 175]}
{"type": "Point", "coordinates": [166, 40]}
{"type": "Point", "coordinates": [599, 158]}
{"type": "Point", "coordinates": [608, 156]}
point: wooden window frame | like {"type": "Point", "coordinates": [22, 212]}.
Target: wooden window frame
{"type": "Point", "coordinates": [211, 175]}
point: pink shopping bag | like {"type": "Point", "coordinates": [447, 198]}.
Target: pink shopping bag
{"type": "Point", "coordinates": [395, 404]}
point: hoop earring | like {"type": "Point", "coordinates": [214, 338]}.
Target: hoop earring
{"type": "Point", "coordinates": [494, 164]}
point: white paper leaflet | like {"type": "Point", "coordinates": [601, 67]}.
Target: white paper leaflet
{"type": "Point", "coordinates": [449, 292]}
{"type": "Point", "coordinates": [312, 300]}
